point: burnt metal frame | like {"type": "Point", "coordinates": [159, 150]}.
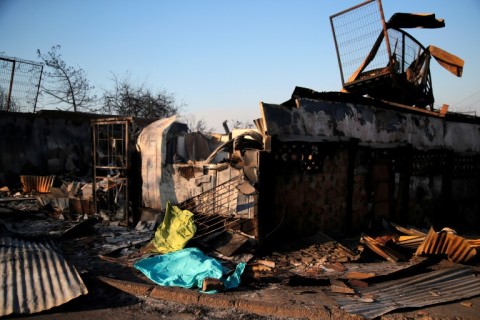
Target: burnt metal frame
{"type": "Point", "coordinates": [215, 208]}
{"type": "Point", "coordinates": [408, 92]}
{"type": "Point", "coordinates": [122, 168]}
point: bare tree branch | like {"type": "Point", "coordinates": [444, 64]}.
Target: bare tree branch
{"type": "Point", "coordinates": [65, 84]}
{"type": "Point", "coordinates": [127, 99]}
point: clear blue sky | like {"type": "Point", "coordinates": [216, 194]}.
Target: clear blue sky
{"type": "Point", "coordinates": [222, 57]}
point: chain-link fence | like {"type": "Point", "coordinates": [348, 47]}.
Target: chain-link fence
{"type": "Point", "coordinates": [19, 84]}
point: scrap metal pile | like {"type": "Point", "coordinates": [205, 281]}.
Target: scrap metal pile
{"type": "Point", "coordinates": [371, 276]}
{"type": "Point", "coordinates": [363, 275]}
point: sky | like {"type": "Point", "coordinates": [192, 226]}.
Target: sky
{"type": "Point", "coordinates": [221, 58]}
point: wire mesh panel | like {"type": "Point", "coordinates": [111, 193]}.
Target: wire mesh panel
{"type": "Point", "coordinates": [215, 209]}
{"type": "Point", "coordinates": [405, 49]}
{"type": "Point", "coordinates": [355, 32]}
{"type": "Point", "coordinates": [19, 84]}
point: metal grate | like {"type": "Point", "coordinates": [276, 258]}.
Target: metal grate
{"type": "Point", "coordinates": [110, 138]}
{"type": "Point", "coordinates": [355, 32]}
{"type": "Point", "coordinates": [425, 164]}
{"type": "Point", "coordinates": [19, 84]}
{"type": "Point", "coordinates": [466, 166]}
{"type": "Point", "coordinates": [215, 209]}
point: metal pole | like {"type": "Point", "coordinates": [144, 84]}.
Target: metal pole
{"type": "Point", "coordinates": [11, 85]}
{"type": "Point", "coordinates": [38, 90]}
{"type": "Point", "coordinates": [385, 31]}
{"type": "Point", "coordinates": [126, 172]}
{"type": "Point", "coordinates": [403, 52]}
{"type": "Point", "coordinates": [94, 162]}
{"type": "Point", "coordinates": [338, 53]}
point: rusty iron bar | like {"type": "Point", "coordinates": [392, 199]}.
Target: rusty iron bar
{"type": "Point", "coordinates": [225, 225]}
{"type": "Point", "coordinates": [385, 31]}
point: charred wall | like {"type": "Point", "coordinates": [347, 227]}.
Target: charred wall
{"type": "Point", "coordinates": [44, 143]}
{"type": "Point", "coordinates": [346, 188]}
{"type": "Point", "coordinates": [310, 183]}
{"type": "Point", "coordinates": [344, 167]}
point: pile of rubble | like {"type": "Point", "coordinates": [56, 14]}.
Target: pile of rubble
{"type": "Point", "coordinates": [357, 273]}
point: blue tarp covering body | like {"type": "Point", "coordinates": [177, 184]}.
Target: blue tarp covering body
{"type": "Point", "coordinates": [187, 268]}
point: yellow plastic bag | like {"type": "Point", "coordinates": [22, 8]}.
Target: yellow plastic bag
{"type": "Point", "coordinates": [177, 228]}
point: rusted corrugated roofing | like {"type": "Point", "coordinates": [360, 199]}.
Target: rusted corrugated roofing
{"type": "Point", "coordinates": [421, 290]}
{"type": "Point", "coordinates": [455, 247]}
{"type": "Point", "coordinates": [380, 269]}
{"type": "Point", "coordinates": [34, 276]}
{"type": "Point", "coordinates": [41, 184]}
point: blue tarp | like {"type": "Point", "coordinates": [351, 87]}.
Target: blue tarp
{"type": "Point", "coordinates": [187, 268]}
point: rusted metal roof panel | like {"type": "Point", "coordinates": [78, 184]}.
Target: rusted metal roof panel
{"type": "Point", "coordinates": [370, 270]}
{"type": "Point", "coordinates": [413, 292]}
{"type": "Point", "coordinates": [35, 277]}
{"type": "Point", "coordinates": [456, 248]}
{"type": "Point", "coordinates": [41, 184]}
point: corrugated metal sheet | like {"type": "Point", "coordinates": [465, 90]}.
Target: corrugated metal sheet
{"type": "Point", "coordinates": [41, 184]}
{"type": "Point", "coordinates": [455, 247]}
{"type": "Point", "coordinates": [35, 276]}
{"type": "Point", "coordinates": [379, 269]}
{"type": "Point", "coordinates": [421, 290]}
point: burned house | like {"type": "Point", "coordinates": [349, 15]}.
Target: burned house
{"type": "Point", "coordinates": [377, 150]}
{"type": "Point", "coordinates": [342, 165]}
{"type": "Point", "coordinates": [341, 162]}
{"type": "Point", "coordinates": [338, 162]}
{"type": "Point", "coordinates": [327, 162]}
{"type": "Point", "coordinates": [320, 164]}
